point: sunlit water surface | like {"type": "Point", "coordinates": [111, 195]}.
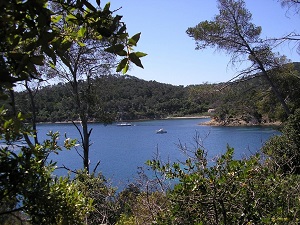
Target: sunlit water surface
{"type": "Point", "coordinates": [122, 149]}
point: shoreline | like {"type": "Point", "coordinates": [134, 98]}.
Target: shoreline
{"type": "Point", "coordinates": [212, 122]}
{"type": "Point", "coordinates": [188, 117]}
{"type": "Point", "coordinates": [238, 123]}
{"type": "Point", "coordinates": [137, 120]}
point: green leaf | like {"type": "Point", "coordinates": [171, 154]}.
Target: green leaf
{"type": "Point", "coordinates": [20, 116]}
{"type": "Point", "coordinates": [122, 53]}
{"type": "Point", "coordinates": [117, 19]}
{"type": "Point", "coordinates": [55, 19]}
{"type": "Point", "coordinates": [104, 31]}
{"type": "Point", "coordinates": [140, 54]}
{"type": "Point", "coordinates": [81, 32]}
{"type": "Point", "coordinates": [135, 59]}
{"type": "Point", "coordinates": [134, 39]}
{"type": "Point", "coordinates": [115, 48]}
{"type": "Point", "coordinates": [122, 64]}
{"type": "Point", "coordinates": [106, 7]}
{"type": "Point", "coordinates": [125, 69]}
{"type": "Point", "coordinates": [71, 17]}
{"type": "Point", "coordinates": [81, 44]}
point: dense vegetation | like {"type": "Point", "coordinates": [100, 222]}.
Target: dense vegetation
{"type": "Point", "coordinates": [36, 36]}
{"type": "Point", "coordinates": [39, 35]}
{"type": "Point", "coordinates": [128, 98]}
{"type": "Point", "coordinates": [117, 98]}
{"type": "Point", "coordinates": [250, 100]}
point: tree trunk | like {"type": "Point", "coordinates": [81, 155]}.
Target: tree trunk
{"type": "Point", "coordinates": [85, 132]}
{"type": "Point", "coordinates": [85, 143]}
{"type": "Point", "coordinates": [265, 74]}
{"type": "Point", "coordinates": [277, 93]}
{"type": "Point", "coordinates": [33, 111]}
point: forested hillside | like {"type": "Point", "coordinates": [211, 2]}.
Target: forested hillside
{"type": "Point", "coordinates": [116, 98]}
{"type": "Point", "coordinates": [253, 101]}
{"type": "Point", "coordinates": [250, 100]}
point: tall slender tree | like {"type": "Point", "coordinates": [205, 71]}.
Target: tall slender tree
{"type": "Point", "coordinates": [87, 61]}
{"type": "Point", "coordinates": [232, 31]}
{"type": "Point", "coordinates": [88, 58]}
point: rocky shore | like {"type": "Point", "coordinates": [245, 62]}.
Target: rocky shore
{"type": "Point", "coordinates": [239, 122]}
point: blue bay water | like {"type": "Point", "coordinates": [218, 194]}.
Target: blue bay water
{"type": "Point", "coordinates": [122, 149]}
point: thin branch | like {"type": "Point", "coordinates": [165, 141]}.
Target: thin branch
{"type": "Point", "coordinates": [78, 153]}
{"type": "Point", "coordinates": [81, 136]}
{"type": "Point", "coordinates": [98, 163]}
{"type": "Point", "coordinates": [242, 74]}
{"type": "Point", "coordinates": [66, 168]}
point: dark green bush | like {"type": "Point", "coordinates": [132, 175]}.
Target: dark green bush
{"type": "Point", "coordinates": [284, 150]}
{"type": "Point", "coordinates": [229, 192]}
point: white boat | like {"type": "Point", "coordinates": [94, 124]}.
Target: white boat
{"type": "Point", "coordinates": [124, 124]}
{"type": "Point", "coordinates": [161, 131]}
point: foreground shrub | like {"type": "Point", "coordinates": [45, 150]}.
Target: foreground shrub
{"type": "Point", "coordinates": [284, 150]}
{"type": "Point", "coordinates": [29, 191]}
{"type": "Point", "coordinates": [142, 201]}
{"type": "Point", "coordinates": [95, 186]}
{"type": "Point", "coordinates": [229, 192]}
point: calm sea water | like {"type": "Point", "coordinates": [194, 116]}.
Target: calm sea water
{"type": "Point", "coordinates": [122, 149]}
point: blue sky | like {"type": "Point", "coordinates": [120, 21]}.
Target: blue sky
{"type": "Point", "coordinates": [172, 57]}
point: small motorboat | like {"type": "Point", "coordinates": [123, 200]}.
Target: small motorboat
{"type": "Point", "coordinates": [124, 124]}
{"type": "Point", "coordinates": [161, 131]}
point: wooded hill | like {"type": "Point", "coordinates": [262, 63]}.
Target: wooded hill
{"type": "Point", "coordinates": [115, 98]}
{"type": "Point", "coordinates": [126, 97]}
